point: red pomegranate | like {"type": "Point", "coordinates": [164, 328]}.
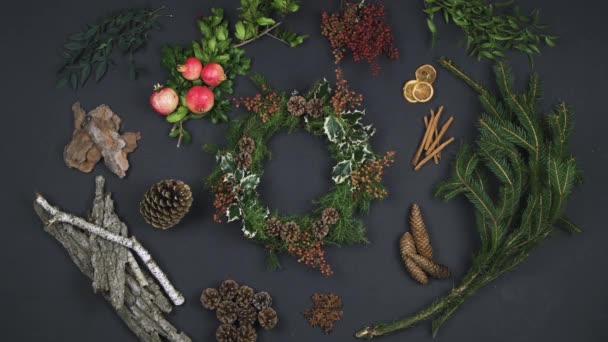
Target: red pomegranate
{"type": "Point", "coordinates": [199, 99]}
{"type": "Point", "coordinates": [164, 100]}
{"type": "Point", "coordinates": [191, 69]}
{"type": "Point", "coordinates": [213, 74]}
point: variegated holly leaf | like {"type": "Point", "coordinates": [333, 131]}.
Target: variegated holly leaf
{"type": "Point", "coordinates": [234, 213]}
{"type": "Point", "coordinates": [250, 182]}
{"type": "Point", "coordinates": [227, 163]}
{"type": "Point", "coordinates": [334, 128]}
{"type": "Point", "coordinates": [342, 171]}
{"type": "Point", "coordinates": [322, 90]}
{"type": "Point", "coordinates": [362, 154]}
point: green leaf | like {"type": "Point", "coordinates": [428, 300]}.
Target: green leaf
{"type": "Point", "coordinates": [186, 137]}
{"type": "Point", "coordinates": [73, 46]}
{"type": "Point", "coordinates": [239, 30]}
{"type": "Point", "coordinates": [431, 25]}
{"type": "Point", "coordinates": [265, 21]}
{"type": "Point", "coordinates": [100, 70]}
{"type": "Point", "coordinates": [85, 72]}
{"type": "Point", "coordinates": [174, 133]}
{"type": "Point", "coordinates": [178, 115]}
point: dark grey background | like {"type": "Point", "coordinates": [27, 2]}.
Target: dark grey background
{"type": "Point", "coordinates": [559, 294]}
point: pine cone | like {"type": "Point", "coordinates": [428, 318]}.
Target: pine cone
{"type": "Point", "coordinates": [227, 312]}
{"type": "Point", "coordinates": [226, 333]}
{"type": "Point", "coordinates": [273, 227]}
{"type": "Point", "coordinates": [290, 232]}
{"type": "Point", "coordinates": [211, 299]}
{"type": "Point", "coordinates": [248, 316]}
{"type": "Point", "coordinates": [407, 249]}
{"type": "Point", "coordinates": [421, 236]}
{"type": "Point", "coordinates": [330, 216]}
{"type": "Point", "coordinates": [228, 289]}
{"type": "Point", "coordinates": [296, 105]}
{"type": "Point", "coordinates": [314, 107]}
{"type": "Point", "coordinates": [320, 229]}
{"type": "Point", "coordinates": [435, 270]}
{"type": "Point", "coordinates": [166, 203]}
{"type": "Point", "coordinates": [244, 296]}
{"type": "Point", "coordinates": [246, 144]}
{"type": "Point", "coordinates": [262, 300]}
{"type": "Point", "coordinates": [244, 160]}
{"type": "Point", "coordinates": [247, 333]}
{"type": "Point", "coordinates": [268, 318]}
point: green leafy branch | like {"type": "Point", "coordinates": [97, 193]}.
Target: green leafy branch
{"type": "Point", "coordinates": [527, 154]}
{"type": "Point", "coordinates": [490, 29]}
{"type": "Point", "coordinates": [89, 52]}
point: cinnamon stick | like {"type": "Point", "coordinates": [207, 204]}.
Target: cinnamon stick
{"type": "Point", "coordinates": [433, 153]}
{"type": "Point", "coordinates": [444, 128]}
{"type": "Point", "coordinates": [426, 124]}
{"type": "Point", "coordinates": [421, 147]}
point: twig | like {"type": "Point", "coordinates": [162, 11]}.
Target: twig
{"type": "Point", "coordinates": [430, 156]}
{"type": "Point", "coordinates": [265, 32]}
{"type": "Point", "coordinates": [58, 216]}
{"type": "Point", "coordinates": [139, 275]}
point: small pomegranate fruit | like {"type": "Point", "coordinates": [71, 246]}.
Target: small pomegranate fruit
{"type": "Point", "coordinates": [199, 99]}
{"type": "Point", "coordinates": [191, 69]}
{"type": "Point", "coordinates": [164, 100]}
{"type": "Point", "coordinates": [213, 74]}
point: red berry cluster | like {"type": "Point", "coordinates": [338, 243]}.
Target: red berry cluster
{"type": "Point", "coordinates": [368, 178]}
{"type": "Point", "coordinates": [309, 251]}
{"type": "Point", "coordinates": [224, 197]}
{"type": "Point", "coordinates": [343, 97]}
{"type": "Point", "coordinates": [265, 104]}
{"type": "Point", "coordinates": [362, 28]}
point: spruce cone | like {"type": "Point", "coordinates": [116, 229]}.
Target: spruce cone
{"type": "Point", "coordinates": [268, 318]}
{"type": "Point", "coordinates": [244, 296]}
{"type": "Point", "coordinates": [421, 236]}
{"type": "Point", "coordinates": [273, 227]}
{"type": "Point", "coordinates": [244, 160]}
{"type": "Point", "coordinates": [211, 299]}
{"type": "Point", "coordinates": [330, 216]}
{"type": "Point", "coordinates": [228, 289]}
{"type": "Point", "coordinates": [314, 107]}
{"type": "Point", "coordinates": [246, 144]}
{"type": "Point", "coordinates": [227, 312]}
{"type": "Point", "coordinates": [166, 203]}
{"type": "Point", "coordinates": [407, 249]}
{"type": "Point", "coordinates": [262, 300]}
{"type": "Point", "coordinates": [246, 333]}
{"type": "Point", "coordinates": [226, 333]}
{"type": "Point", "coordinates": [248, 316]}
{"type": "Point", "coordinates": [320, 229]}
{"type": "Point", "coordinates": [296, 105]}
{"type": "Point", "coordinates": [435, 270]}
{"type": "Point", "coordinates": [290, 232]}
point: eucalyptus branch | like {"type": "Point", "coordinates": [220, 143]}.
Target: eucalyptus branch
{"type": "Point", "coordinates": [259, 35]}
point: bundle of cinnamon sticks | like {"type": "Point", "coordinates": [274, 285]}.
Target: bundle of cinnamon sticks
{"type": "Point", "coordinates": [431, 144]}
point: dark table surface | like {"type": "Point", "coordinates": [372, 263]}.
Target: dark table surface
{"type": "Point", "coordinates": [559, 294]}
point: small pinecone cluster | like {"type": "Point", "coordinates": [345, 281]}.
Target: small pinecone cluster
{"type": "Point", "coordinates": [166, 203]}
{"type": "Point", "coordinates": [286, 231]}
{"type": "Point", "coordinates": [417, 252]}
{"type": "Point", "coordinates": [329, 217]}
{"type": "Point", "coordinates": [246, 146]}
{"type": "Point", "coordinates": [325, 311]}
{"type": "Point", "coordinates": [298, 106]}
{"type": "Point", "coordinates": [239, 309]}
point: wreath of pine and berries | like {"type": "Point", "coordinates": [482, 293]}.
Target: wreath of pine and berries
{"type": "Point", "coordinates": [357, 174]}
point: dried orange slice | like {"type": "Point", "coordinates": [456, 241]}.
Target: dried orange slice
{"type": "Point", "coordinates": [408, 90]}
{"type": "Point", "coordinates": [426, 73]}
{"type": "Point", "coordinates": [423, 91]}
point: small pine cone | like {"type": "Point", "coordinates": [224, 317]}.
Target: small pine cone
{"type": "Point", "coordinates": [211, 299]}
{"type": "Point", "coordinates": [314, 107]}
{"type": "Point", "coordinates": [262, 300]}
{"type": "Point", "coordinates": [228, 289]}
{"type": "Point", "coordinates": [435, 270]}
{"type": "Point", "coordinates": [320, 229]}
{"type": "Point", "coordinates": [268, 318]}
{"type": "Point", "coordinates": [296, 105]}
{"type": "Point", "coordinates": [246, 144]}
{"type": "Point", "coordinates": [227, 312]}
{"type": "Point", "coordinates": [421, 236]}
{"type": "Point", "coordinates": [244, 296]}
{"type": "Point", "coordinates": [290, 232]}
{"type": "Point", "coordinates": [273, 227]}
{"type": "Point", "coordinates": [226, 333]}
{"type": "Point", "coordinates": [248, 316]}
{"type": "Point", "coordinates": [166, 203]}
{"type": "Point", "coordinates": [244, 160]}
{"type": "Point", "coordinates": [330, 216]}
{"type": "Point", "coordinates": [246, 333]}
{"type": "Point", "coordinates": [407, 249]}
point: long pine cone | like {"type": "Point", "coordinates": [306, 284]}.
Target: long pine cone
{"type": "Point", "coordinates": [435, 270]}
{"type": "Point", "coordinates": [407, 248]}
{"type": "Point", "coordinates": [420, 234]}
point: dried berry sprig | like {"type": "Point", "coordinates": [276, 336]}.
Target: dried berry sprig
{"type": "Point", "coordinates": [344, 98]}
{"type": "Point", "coordinates": [368, 178]}
{"type": "Point", "coordinates": [309, 252]}
{"type": "Point", "coordinates": [266, 104]}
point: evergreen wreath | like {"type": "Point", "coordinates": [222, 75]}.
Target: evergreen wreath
{"type": "Point", "coordinates": [357, 174]}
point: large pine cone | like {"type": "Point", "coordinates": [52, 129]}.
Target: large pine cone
{"type": "Point", "coordinates": [268, 318]}
{"type": "Point", "coordinates": [166, 203]}
{"type": "Point", "coordinates": [314, 107]}
{"type": "Point", "coordinates": [227, 312]}
{"type": "Point", "coordinates": [248, 316]}
{"type": "Point", "coordinates": [262, 300]}
{"type": "Point", "coordinates": [229, 289]}
{"type": "Point", "coordinates": [320, 229]}
{"type": "Point", "coordinates": [246, 333]}
{"type": "Point", "coordinates": [226, 333]}
{"type": "Point", "coordinates": [290, 232]}
{"type": "Point", "coordinates": [247, 145]}
{"type": "Point", "coordinates": [330, 216]}
{"type": "Point", "coordinates": [211, 299]}
{"type": "Point", "coordinates": [273, 227]}
{"type": "Point", "coordinates": [296, 105]}
{"type": "Point", "coordinates": [244, 296]}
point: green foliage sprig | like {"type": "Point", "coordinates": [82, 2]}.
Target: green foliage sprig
{"type": "Point", "coordinates": [220, 44]}
{"type": "Point", "coordinates": [89, 52]}
{"type": "Point", "coordinates": [490, 29]}
{"type": "Point", "coordinates": [527, 153]}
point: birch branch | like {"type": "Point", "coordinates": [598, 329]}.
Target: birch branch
{"type": "Point", "coordinates": [58, 216]}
